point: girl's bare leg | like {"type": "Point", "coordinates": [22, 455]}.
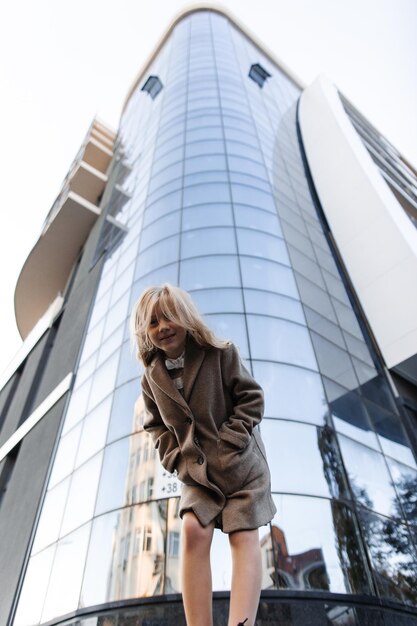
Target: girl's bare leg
{"type": "Point", "coordinates": [196, 571]}
{"type": "Point", "coordinates": [246, 577]}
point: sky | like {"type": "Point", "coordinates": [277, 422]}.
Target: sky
{"type": "Point", "coordinates": [63, 62]}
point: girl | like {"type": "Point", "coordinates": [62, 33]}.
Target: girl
{"type": "Point", "coordinates": [202, 407]}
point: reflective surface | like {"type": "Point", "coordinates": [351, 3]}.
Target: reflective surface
{"type": "Point", "coordinates": [220, 204]}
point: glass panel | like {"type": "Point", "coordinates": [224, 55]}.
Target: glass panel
{"type": "Point", "coordinates": [391, 434]}
{"type": "Point", "coordinates": [291, 448]}
{"type": "Point", "coordinates": [99, 569]}
{"type": "Point", "coordinates": [218, 300]}
{"type": "Point", "coordinates": [129, 367]}
{"type": "Point", "coordinates": [377, 389]}
{"type": "Point", "coordinates": [305, 266]}
{"type": "Point", "coordinates": [324, 327]}
{"type": "Point", "coordinates": [249, 195]}
{"type": "Point", "coordinates": [316, 298]}
{"type": "Point", "coordinates": [116, 314]}
{"type": "Point", "coordinates": [165, 226]}
{"type": "Point", "coordinates": [87, 369]}
{"type": "Point", "coordinates": [228, 326]}
{"type": "Point", "coordinates": [368, 476]}
{"type": "Point", "coordinates": [93, 436]}
{"type": "Point", "coordinates": [257, 219]}
{"type": "Point", "coordinates": [317, 546]}
{"type": "Point", "coordinates": [207, 215]}
{"type": "Point", "coordinates": [208, 241]}
{"type": "Point", "coordinates": [113, 492]}
{"type": "Point", "coordinates": [34, 588]}
{"type": "Point", "coordinates": [255, 243]}
{"type": "Point", "coordinates": [159, 254]}
{"type": "Point", "coordinates": [205, 177]}
{"type": "Point", "coordinates": [217, 271]}
{"type": "Point", "coordinates": [196, 122]}
{"type": "Point", "coordinates": [172, 575]}
{"type": "Point", "coordinates": [103, 381]}
{"type": "Point", "coordinates": [197, 194]}
{"type": "Point", "coordinates": [123, 413]}
{"type": "Point", "coordinates": [122, 283]}
{"type": "Point", "coordinates": [170, 173]}
{"type": "Point", "coordinates": [392, 556]}
{"type": "Point", "coordinates": [132, 556]}
{"type": "Point", "coordinates": [238, 164]}
{"type": "Point", "coordinates": [167, 274]}
{"type": "Point", "coordinates": [68, 566]}
{"type": "Point", "coordinates": [93, 338]}
{"type": "Point", "coordinates": [263, 274]}
{"type": "Point", "coordinates": [350, 418]}
{"type": "Point", "coordinates": [82, 495]}
{"type": "Point", "coordinates": [347, 318]}
{"type": "Point", "coordinates": [100, 308]}
{"type": "Point", "coordinates": [110, 345]}
{"type": "Point", "coordinates": [65, 456]}
{"type": "Point", "coordinates": [405, 481]}
{"type": "Point", "coordinates": [51, 517]}
{"type": "Point", "coordinates": [282, 384]}
{"type": "Point", "coordinates": [214, 162]}
{"type": "Point", "coordinates": [251, 181]}
{"type": "Point", "coordinates": [167, 204]}
{"type": "Point", "coordinates": [279, 340]}
{"type": "Point", "coordinates": [200, 148]}
{"type": "Point", "coordinates": [77, 405]}
{"type": "Point", "coordinates": [160, 162]}
{"type": "Point", "coordinates": [334, 362]}
{"type": "Point", "coordinates": [257, 301]}
{"type": "Point", "coordinates": [358, 348]}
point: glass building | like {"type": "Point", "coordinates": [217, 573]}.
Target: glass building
{"type": "Point", "coordinates": [292, 223]}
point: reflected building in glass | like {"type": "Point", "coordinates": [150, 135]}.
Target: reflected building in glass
{"type": "Point", "coordinates": [292, 222]}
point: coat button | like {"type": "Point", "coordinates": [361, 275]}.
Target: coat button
{"type": "Point", "coordinates": [200, 460]}
{"type": "Point", "coordinates": [188, 420]}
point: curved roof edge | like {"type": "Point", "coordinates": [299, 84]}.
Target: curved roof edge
{"type": "Point", "coordinates": [195, 8]}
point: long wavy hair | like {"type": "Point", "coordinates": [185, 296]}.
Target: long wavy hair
{"type": "Point", "coordinates": [176, 305]}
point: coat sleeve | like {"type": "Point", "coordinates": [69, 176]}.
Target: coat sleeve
{"type": "Point", "coordinates": [164, 440]}
{"type": "Point", "coordinates": [247, 398]}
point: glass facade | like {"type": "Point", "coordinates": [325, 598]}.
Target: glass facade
{"type": "Point", "coordinates": [215, 198]}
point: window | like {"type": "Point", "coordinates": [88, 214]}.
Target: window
{"type": "Point", "coordinates": [147, 539]}
{"type": "Point", "coordinates": [173, 543]}
{"type": "Point", "coordinates": [153, 86]}
{"type": "Point", "coordinates": [258, 74]}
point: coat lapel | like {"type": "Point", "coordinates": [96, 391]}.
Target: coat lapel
{"type": "Point", "coordinates": [194, 357]}
{"type": "Point", "coordinates": [159, 375]}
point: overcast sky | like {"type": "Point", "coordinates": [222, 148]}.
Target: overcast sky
{"type": "Point", "coordinates": [63, 62]}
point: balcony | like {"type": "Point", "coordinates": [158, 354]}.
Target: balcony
{"type": "Point", "coordinates": [48, 267]}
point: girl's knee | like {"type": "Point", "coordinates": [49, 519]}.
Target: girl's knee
{"type": "Point", "coordinates": [194, 535]}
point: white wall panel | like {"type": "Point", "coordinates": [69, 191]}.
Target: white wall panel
{"type": "Point", "coordinates": [376, 239]}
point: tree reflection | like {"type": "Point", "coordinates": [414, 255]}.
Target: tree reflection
{"type": "Point", "coordinates": [387, 539]}
{"type": "Point", "coordinates": [390, 546]}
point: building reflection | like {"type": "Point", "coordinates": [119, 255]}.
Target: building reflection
{"type": "Point", "coordinates": [306, 570]}
{"type": "Point", "coordinates": [146, 538]}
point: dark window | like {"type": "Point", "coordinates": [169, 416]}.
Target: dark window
{"type": "Point", "coordinates": [153, 86]}
{"type": "Point", "coordinates": [258, 74]}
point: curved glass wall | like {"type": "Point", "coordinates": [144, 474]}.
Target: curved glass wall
{"type": "Point", "coordinates": [217, 201]}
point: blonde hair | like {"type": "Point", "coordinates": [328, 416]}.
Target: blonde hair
{"type": "Point", "coordinates": [176, 305]}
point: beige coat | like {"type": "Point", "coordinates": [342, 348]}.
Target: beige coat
{"type": "Point", "coordinates": [209, 436]}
